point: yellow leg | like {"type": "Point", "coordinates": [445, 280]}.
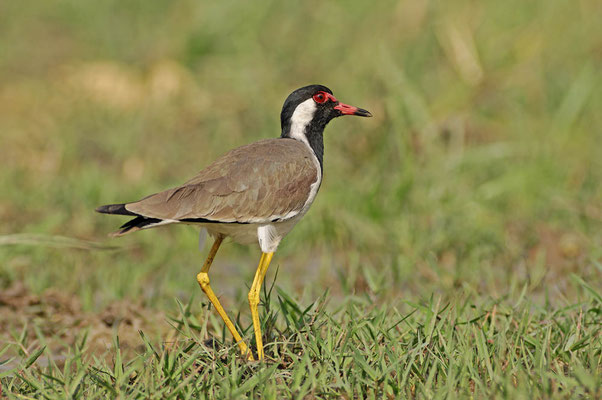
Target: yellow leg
{"type": "Point", "coordinates": [264, 263]}
{"type": "Point", "coordinates": [203, 279]}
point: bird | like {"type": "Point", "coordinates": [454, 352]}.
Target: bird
{"type": "Point", "coordinates": [253, 194]}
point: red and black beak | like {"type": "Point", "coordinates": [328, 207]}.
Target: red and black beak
{"type": "Point", "coordinates": [346, 109]}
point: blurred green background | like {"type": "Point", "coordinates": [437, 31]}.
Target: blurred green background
{"type": "Point", "coordinates": [480, 171]}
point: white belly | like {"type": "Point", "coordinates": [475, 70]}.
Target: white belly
{"type": "Point", "coordinates": [267, 236]}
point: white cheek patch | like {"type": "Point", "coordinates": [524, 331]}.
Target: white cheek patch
{"type": "Point", "coordinates": [302, 116]}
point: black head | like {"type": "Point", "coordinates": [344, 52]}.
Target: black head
{"type": "Point", "coordinates": [319, 111]}
{"type": "Point", "coordinates": [306, 112]}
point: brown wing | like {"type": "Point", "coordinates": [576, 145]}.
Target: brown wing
{"type": "Point", "coordinates": [260, 182]}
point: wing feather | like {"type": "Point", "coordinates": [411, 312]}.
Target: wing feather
{"type": "Point", "coordinates": [259, 182]}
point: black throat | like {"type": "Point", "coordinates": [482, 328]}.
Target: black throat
{"type": "Point", "coordinates": [314, 135]}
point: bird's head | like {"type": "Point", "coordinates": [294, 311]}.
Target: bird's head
{"type": "Point", "coordinates": [307, 110]}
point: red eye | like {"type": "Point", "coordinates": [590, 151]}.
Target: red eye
{"type": "Point", "coordinates": [320, 97]}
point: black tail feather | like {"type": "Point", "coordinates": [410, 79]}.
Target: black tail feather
{"type": "Point", "coordinates": [115, 209]}
{"type": "Point", "coordinates": [132, 225]}
{"type": "Point", "coordinates": [135, 224]}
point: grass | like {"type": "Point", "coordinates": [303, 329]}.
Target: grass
{"type": "Point", "coordinates": [462, 348]}
{"type": "Point", "coordinates": [459, 231]}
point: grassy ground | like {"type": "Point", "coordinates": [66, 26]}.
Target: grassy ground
{"type": "Point", "coordinates": [458, 232]}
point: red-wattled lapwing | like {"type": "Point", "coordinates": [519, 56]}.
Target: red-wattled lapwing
{"type": "Point", "coordinates": [253, 194]}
